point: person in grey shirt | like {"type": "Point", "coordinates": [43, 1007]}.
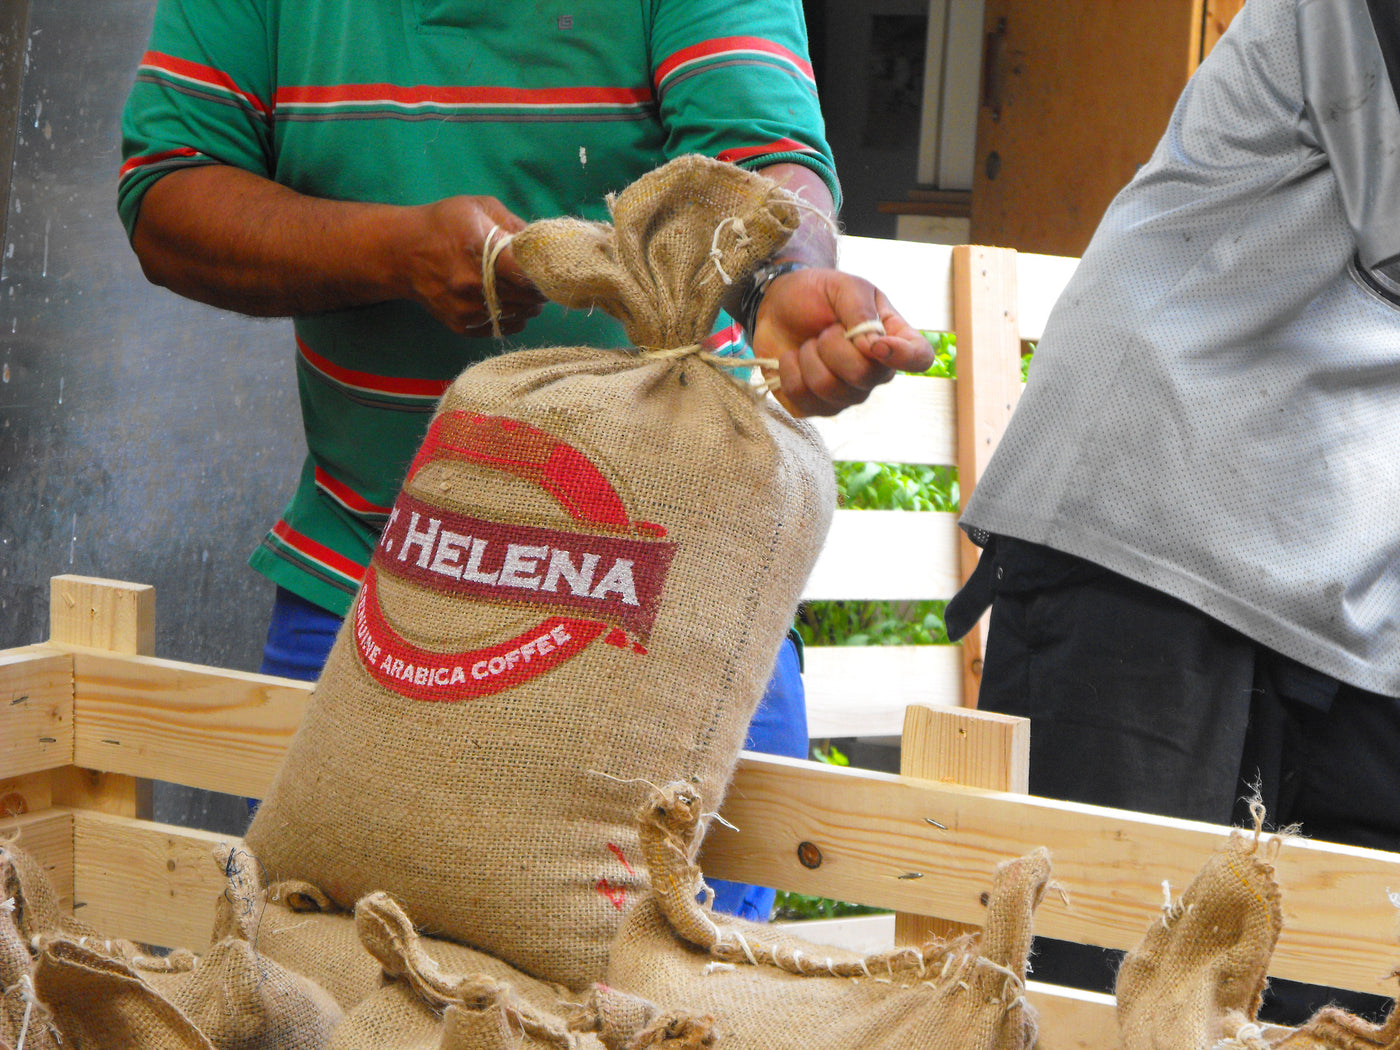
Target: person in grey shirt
{"type": "Point", "coordinates": [1192, 523]}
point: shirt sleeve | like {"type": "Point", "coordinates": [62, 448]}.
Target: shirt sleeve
{"type": "Point", "coordinates": [202, 95]}
{"type": "Point", "coordinates": [734, 82]}
{"type": "Point", "coordinates": [1349, 53]}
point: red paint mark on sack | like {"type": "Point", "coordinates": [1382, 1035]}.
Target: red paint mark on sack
{"type": "Point", "coordinates": [616, 894]}
{"type": "Point", "coordinates": [617, 638]}
{"type": "Point", "coordinates": [617, 852]}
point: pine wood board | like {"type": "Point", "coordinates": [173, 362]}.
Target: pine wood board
{"type": "Point", "coordinates": [36, 711]}
{"type": "Point", "coordinates": [219, 730]}
{"type": "Point", "coordinates": [873, 828]}
{"type": "Point", "coordinates": [864, 690]}
{"type": "Point", "coordinates": [103, 614]}
{"type": "Point", "coordinates": [46, 836]}
{"type": "Point", "coordinates": [147, 882]}
{"type": "Point", "coordinates": [890, 555]}
{"type": "Point", "coordinates": [907, 420]}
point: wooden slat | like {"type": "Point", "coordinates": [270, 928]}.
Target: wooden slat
{"type": "Point", "coordinates": [872, 828]}
{"type": "Point", "coordinates": [47, 836]}
{"type": "Point", "coordinates": [145, 881]}
{"type": "Point", "coordinates": [103, 614]}
{"type": "Point", "coordinates": [1071, 1019]}
{"type": "Point", "coordinates": [1039, 281]}
{"type": "Point", "coordinates": [989, 384]}
{"type": "Point", "coordinates": [36, 710]}
{"type": "Point", "coordinates": [916, 278]}
{"type": "Point", "coordinates": [864, 690]}
{"type": "Point", "coordinates": [183, 723]}
{"type": "Point", "coordinates": [973, 748]}
{"type": "Point", "coordinates": [891, 555]}
{"type": "Point", "coordinates": [908, 420]}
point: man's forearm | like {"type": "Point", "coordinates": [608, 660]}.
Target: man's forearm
{"type": "Point", "coordinates": [233, 239]}
{"type": "Point", "coordinates": [814, 242]}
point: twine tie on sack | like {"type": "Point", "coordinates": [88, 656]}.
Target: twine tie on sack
{"type": "Point", "coordinates": [497, 241]}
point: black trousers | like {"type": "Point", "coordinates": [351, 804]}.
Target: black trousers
{"type": "Point", "coordinates": [1142, 702]}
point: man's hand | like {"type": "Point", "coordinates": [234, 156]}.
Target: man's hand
{"type": "Point", "coordinates": [239, 241]}
{"type": "Point", "coordinates": [445, 265]}
{"type": "Point", "coordinates": [803, 321]}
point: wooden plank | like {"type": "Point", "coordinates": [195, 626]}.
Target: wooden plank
{"type": "Point", "coordinates": [103, 614]}
{"type": "Point", "coordinates": [184, 723]}
{"type": "Point", "coordinates": [887, 555]}
{"type": "Point", "coordinates": [989, 384]}
{"type": "Point", "coordinates": [47, 837]}
{"type": "Point", "coordinates": [112, 616]}
{"type": "Point", "coordinates": [149, 882]}
{"type": "Point", "coordinates": [26, 794]}
{"type": "Point", "coordinates": [864, 690]}
{"type": "Point", "coordinates": [1039, 281]}
{"type": "Point", "coordinates": [978, 749]}
{"type": "Point", "coordinates": [866, 934]}
{"type": "Point", "coordinates": [1071, 1019]}
{"type": "Point", "coordinates": [908, 420]}
{"type": "Point", "coordinates": [916, 278]}
{"type": "Point", "coordinates": [872, 828]}
{"type": "Point", "coordinates": [36, 710]}
{"type": "Point", "coordinates": [974, 748]}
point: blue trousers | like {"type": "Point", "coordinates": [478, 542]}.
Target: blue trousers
{"type": "Point", "coordinates": [300, 636]}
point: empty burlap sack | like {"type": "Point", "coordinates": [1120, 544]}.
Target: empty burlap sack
{"type": "Point", "coordinates": [1197, 979]}
{"type": "Point", "coordinates": [426, 1005]}
{"type": "Point", "coordinates": [232, 998]}
{"type": "Point", "coordinates": [585, 580]}
{"type": "Point", "coordinates": [764, 989]}
{"type": "Point", "coordinates": [22, 1019]}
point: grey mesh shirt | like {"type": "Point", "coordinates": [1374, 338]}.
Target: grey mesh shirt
{"type": "Point", "coordinates": [1214, 408]}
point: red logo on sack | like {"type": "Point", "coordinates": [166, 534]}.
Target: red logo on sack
{"type": "Point", "coordinates": [609, 577]}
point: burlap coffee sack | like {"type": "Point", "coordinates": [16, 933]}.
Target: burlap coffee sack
{"type": "Point", "coordinates": [38, 909]}
{"type": "Point", "coordinates": [101, 1003]}
{"type": "Point", "coordinates": [767, 990]}
{"type": "Point", "coordinates": [426, 1006]}
{"type": "Point", "coordinates": [584, 582]}
{"type": "Point", "coordinates": [23, 1020]}
{"type": "Point", "coordinates": [231, 998]}
{"type": "Point", "coordinates": [1198, 976]}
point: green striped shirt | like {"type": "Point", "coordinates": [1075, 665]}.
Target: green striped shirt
{"type": "Point", "coordinates": [548, 107]}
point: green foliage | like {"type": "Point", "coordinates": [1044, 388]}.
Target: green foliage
{"type": "Point", "coordinates": [793, 906]}
{"type": "Point", "coordinates": [831, 755]}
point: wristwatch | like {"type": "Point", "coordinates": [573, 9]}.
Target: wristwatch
{"type": "Point", "coordinates": [758, 288]}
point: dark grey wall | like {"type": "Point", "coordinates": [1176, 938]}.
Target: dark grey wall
{"type": "Point", "coordinates": [142, 437]}
{"type": "Point", "coordinates": [13, 14]}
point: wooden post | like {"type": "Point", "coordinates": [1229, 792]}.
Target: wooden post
{"type": "Point", "coordinates": [972, 748]}
{"type": "Point", "coordinates": [114, 617]}
{"type": "Point", "coordinates": [988, 386]}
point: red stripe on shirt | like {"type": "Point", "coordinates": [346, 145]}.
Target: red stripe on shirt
{"type": "Point", "coordinates": [733, 156]}
{"type": "Point", "coordinates": [155, 158]}
{"type": "Point", "coordinates": [204, 74]}
{"type": "Point", "coordinates": [334, 94]}
{"type": "Point", "coordinates": [725, 44]}
{"type": "Point", "coordinates": [318, 552]}
{"type": "Point", "coordinates": [346, 495]}
{"type": "Point", "coordinates": [371, 382]}
{"type": "Point", "coordinates": [724, 338]}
